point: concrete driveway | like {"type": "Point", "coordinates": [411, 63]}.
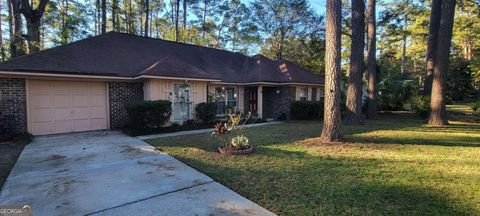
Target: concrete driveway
{"type": "Point", "coordinates": [108, 173]}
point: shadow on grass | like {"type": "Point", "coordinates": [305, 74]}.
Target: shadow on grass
{"type": "Point", "coordinates": [296, 183]}
{"type": "Point", "coordinates": [391, 129]}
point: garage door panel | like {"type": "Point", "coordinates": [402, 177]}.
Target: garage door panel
{"type": "Point", "coordinates": [62, 100]}
{"type": "Point", "coordinates": [63, 126]}
{"type": "Point", "coordinates": [40, 101]}
{"type": "Point", "coordinates": [62, 114]}
{"type": "Point", "coordinates": [97, 88]}
{"type": "Point", "coordinates": [98, 100]}
{"type": "Point", "coordinates": [65, 106]}
{"type": "Point", "coordinates": [41, 128]}
{"type": "Point", "coordinates": [82, 87]}
{"type": "Point", "coordinates": [98, 124]}
{"type": "Point", "coordinates": [81, 100]}
{"type": "Point", "coordinates": [59, 87]}
{"type": "Point", "coordinates": [98, 112]}
{"type": "Point", "coordinates": [82, 125]}
{"type": "Point", "coordinates": [39, 87]}
{"type": "Point", "coordinates": [82, 113]}
{"type": "Point", "coordinates": [41, 115]}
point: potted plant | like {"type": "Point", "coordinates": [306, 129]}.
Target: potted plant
{"type": "Point", "coordinates": [231, 135]}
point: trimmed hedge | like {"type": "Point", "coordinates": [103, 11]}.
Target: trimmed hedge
{"type": "Point", "coordinates": [302, 110]}
{"type": "Point", "coordinates": [148, 114]}
{"type": "Point", "coordinates": [206, 112]}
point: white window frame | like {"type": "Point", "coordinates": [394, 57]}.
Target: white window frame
{"type": "Point", "coordinates": [224, 90]}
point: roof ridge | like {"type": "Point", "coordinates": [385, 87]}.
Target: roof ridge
{"type": "Point", "coordinates": [179, 43]}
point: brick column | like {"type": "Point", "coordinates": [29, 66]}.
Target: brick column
{"type": "Point", "coordinates": [120, 94]}
{"type": "Point", "coordinates": [13, 105]}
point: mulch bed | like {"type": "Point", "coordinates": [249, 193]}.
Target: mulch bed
{"type": "Point", "coordinates": [9, 153]}
{"type": "Point", "coordinates": [230, 151]}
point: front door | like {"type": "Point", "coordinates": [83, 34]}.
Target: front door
{"type": "Point", "coordinates": [252, 100]}
{"type": "Point", "coordinates": [181, 102]}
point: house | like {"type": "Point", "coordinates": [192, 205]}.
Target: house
{"type": "Point", "coordinates": [84, 85]}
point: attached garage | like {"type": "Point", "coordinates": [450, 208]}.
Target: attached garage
{"type": "Point", "coordinates": [66, 106]}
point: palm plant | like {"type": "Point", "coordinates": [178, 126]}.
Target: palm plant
{"type": "Point", "coordinates": [395, 89]}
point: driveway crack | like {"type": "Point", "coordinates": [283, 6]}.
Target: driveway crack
{"type": "Point", "coordinates": [150, 197]}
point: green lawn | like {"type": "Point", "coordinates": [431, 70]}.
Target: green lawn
{"type": "Point", "coordinates": [465, 108]}
{"type": "Point", "coordinates": [394, 165]}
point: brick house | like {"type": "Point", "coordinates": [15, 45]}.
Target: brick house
{"type": "Point", "coordinates": [84, 85]}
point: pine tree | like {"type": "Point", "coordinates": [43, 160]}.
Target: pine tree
{"type": "Point", "coordinates": [438, 115]}
{"type": "Point", "coordinates": [372, 60]}
{"type": "Point", "coordinates": [331, 131]}
{"type": "Point", "coordinates": [354, 92]}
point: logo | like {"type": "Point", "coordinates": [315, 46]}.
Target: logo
{"type": "Point", "coordinates": [16, 210]}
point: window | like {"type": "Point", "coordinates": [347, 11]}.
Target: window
{"type": "Point", "coordinates": [226, 98]}
{"type": "Point", "coordinates": [322, 92]}
{"type": "Point", "coordinates": [314, 94]}
{"type": "Point", "coordinates": [303, 94]}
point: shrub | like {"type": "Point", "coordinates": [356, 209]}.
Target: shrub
{"type": "Point", "coordinates": [148, 114]}
{"type": "Point", "coordinates": [206, 112]}
{"type": "Point", "coordinates": [394, 88]}
{"type": "Point", "coordinates": [231, 133]}
{"type": "Point", "coordinates": [302, 110]}
{"type": "Point", "coordinates": [476, 108]}
{"type": "Point", "coordinates": [240, 142]}
{"type": "Point", "coordinates": [421, 106]}
{"type": "Point", "coordinates": [23, 138]}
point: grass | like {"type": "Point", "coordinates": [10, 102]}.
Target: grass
{"type": "Point", "coordinates": [465, 108]}
{"type": "Point", "coordinates": [393, 165]}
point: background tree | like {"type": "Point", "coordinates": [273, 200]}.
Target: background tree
{"type": "Point", "coordinates": [431, 46]}
{"type": "Point", "coordinates": [104, 16]}
{"type": "Point", "coordinates": [354, 92]}
{"type": "Point", "coordinates": [331, 131]}
{"type": "Point", "coordinates": [280, 20]}
{"type": "Point", "coordinates": [33, 17]}
{"type": "Point", "coordinates": [147, 15]}
{"type": "Point", "coordinates": [17, 46]}
{"type": "Point", "coordinates": [438, 109]}
{"type": "Point", "coordinates": [372, 60]}
{"type": "Point", "coordinates": [2, 48]}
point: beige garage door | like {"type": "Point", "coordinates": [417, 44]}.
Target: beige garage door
{"type": "Point", "coordinates": [65, 106]}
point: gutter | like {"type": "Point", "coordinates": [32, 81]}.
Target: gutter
{"type": "Point", "coordinates": [214, 81]}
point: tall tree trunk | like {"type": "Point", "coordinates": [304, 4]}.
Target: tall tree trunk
{"type": "Point", "coordinates": [331, 131]}
{"type": "Point", "coordinates": [2, 48]}
{"type": "Point", "coordinates": [431, 45]}
{"type": "Point", "coordinates": [11, 28]}
{"type": "Point", "coordinates": [10, 19]}
{"type": "Point", "coordinates": [17, 47]}
{"type": "Point", "coordinates": [114, 12]}
{"type": "Point", "coordinates": [204, 19]}
{"type": "Point", "coordinates": [354, 92]}
{"type": "Point", "coordinates": [97, 17]}
{"type": "Point", "coordinates": [177, 7]}
{"type": "Point", "coordinates": [372, 61]}
{"type": "Point", "coordinates": [147, 14]}
{"type": "Point", "coordinates": [404, 45]}
{"type": "Point", "coordinates": [64, 38]}
{"type": "Point", "coordinates": [438, 115]}
{"type": "Point", "coordinates": [131, 18]}
{"type": "Point", "coordinates": [33, 16]}
{"type": "Point", "coordinates": [104, 16]}
{"type": "Point", "coordinates": [184, 15]}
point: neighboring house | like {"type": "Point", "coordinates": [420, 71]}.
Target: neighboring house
{"type": "Point", "coordinates": [84, 85]}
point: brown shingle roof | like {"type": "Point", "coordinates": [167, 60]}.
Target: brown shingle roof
{"type": "Point", "coordinates": [124, 55]}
